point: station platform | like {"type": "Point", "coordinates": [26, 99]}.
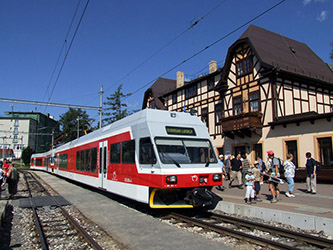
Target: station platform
{"type": "Point", "coordinates": [139, 231]}
{"type": "Point", "coordinates": [305, 211]}
{"type": "Point", "coordinates": [135, 230]}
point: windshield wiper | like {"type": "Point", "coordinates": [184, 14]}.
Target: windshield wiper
{"type": "Point", "coordinates": [207, 163]}
{"type": "Point", "coordinates": [175, 162]}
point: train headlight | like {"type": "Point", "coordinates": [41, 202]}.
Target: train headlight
{"type": "Point", "coordinates": [171, 179]}
{"type": "Point", "coordinates": [217, 177]}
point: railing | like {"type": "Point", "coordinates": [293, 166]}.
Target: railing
{"type": "Point", "coordinates": [242, 121]}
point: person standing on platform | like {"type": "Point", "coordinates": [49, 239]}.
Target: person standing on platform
{"type": "Point", "coordinates": [2, 177]}
{"type": "Point", "coordinates": [289, 173]}
{"type": "Point", "coordinates": [5, 166]}
{"type": "Point", "coordinates": [311, 169]}
{"type": "Point", "coordinates": [221, 162]}
{"type": "Point", "coordinates": [12, 180]}
{"type": "Point", "coordinates": [249, 195]}
{"type": "Point", "coordinates": [236, 171]}
{"type": "Point", "coordinates": [273, 168]}
{"type": "Point", "coordinates": [257, 179]}
{"type": "Point", "coordinates": [246, 166]}
{"type": "Point", "coordinates": [227, 166]}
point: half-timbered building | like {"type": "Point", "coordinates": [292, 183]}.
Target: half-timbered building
{"type": "Point", "coordinates": [273, 93]}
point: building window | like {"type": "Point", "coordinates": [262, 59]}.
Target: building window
{"type": "Point", "coordinates": [174, 98]}
{"type": "Point", "coordinates": [210, 83]}
{"type": "Point", "coordinates": [16, 123]}
{"type": "Point", "coordinates": [254, 101]}
{"type": "Point", "coordinates": [325, 152]}
{"type": "Point", "coordinates": [238, 105]}
{"type": "Point", "coordinates": [191, 91]}
{"type": "Point", "coordinates": [258, 150]}
{"type": "Point", "coordinates": [204, 116]}
{"type": "Point", "coordinates": [15, 131]}
{"type": "Point", "coordinates": [244, 66]}
{"type": "Point", "coordinates": [218, 112]}
{"type": "Point", "coordinates": [291, 148]}
{"type": "Point", "coordinates": [15, 140]}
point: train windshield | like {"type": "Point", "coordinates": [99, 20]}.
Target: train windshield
{"type": "Point", "coordinates": [185, 151]}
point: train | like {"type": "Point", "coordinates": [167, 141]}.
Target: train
{"type": "Point", "coordinates": [161, 158]}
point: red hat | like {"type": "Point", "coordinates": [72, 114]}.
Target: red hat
{"type": "Point", "coordinates": [270, 152]}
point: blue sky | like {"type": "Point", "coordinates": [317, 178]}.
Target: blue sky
{"type": "Point", "coordinates": [117, 36]}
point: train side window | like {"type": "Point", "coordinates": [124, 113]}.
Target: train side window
{"type": "Point", "coordinates": [62, 161]}
{"type": "Point", "coordinates": [39, 162]}
{"type": "Point", "coordinates": [147, 154]}
{"type": "Point", "coordinates": [93, 160]}
{"type": "Point", "coordinates": [115, 153]}
{"type": "Point", "coordinates": [78, 160]}
{"type": "Point", "coordinates": [128, 152]}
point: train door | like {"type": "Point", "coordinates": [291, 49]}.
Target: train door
{"type": "Point", "coordinates": [103, 151]}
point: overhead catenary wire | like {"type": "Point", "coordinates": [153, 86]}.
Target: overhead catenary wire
{"type": "Point", "coordinates": [69, 48]}
{"type": "Point", "coordinates": [62, 49]}
{"type": "Point", "coordinates": [167, 44]}
{"type": "Point", "coordinates": [208, 46]}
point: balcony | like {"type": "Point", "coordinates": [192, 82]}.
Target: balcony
{"type": "Point", "coordinates": [242, 125]}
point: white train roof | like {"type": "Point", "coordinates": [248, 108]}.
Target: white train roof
{"type": "Point", "coordinates": [144, 116]}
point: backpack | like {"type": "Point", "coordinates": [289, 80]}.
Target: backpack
{"type": "Point", "coordinates": [281, 166]}
{"type": "Point", "coordinates": [317, 163]}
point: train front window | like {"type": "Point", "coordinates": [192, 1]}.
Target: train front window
{"type": "Point", "coordinates": [185, 151]}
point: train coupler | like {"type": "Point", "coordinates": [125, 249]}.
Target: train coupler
{"type": "Point", "coordinates": [202, 198]}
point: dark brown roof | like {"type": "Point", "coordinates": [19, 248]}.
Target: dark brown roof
{"type": "Point", "coordinates": [157, 90]}
{"type": "Point", "coordinates": [287, 54]}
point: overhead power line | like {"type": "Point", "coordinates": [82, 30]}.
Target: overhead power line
{"type": "Point", "coordinates": [62, 48]}
{"type": "Point", "coordinates": [69, 48]}
{"type": "Point", "coordinates": [167, 44]}
{"type": "Point", "coordinates": [208, 46]}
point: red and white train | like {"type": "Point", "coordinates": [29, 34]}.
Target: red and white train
{"type": "Point", "coordinates": [161, 158]}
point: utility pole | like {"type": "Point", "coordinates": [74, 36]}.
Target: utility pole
{"type": "Point", "coordinates": [52, 138]}
{"type": "Point", "coordinates": [100, 107]}
{"type": "Point", "coordinates": [78, 124]}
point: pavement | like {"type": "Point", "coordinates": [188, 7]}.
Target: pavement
{"type": "Point", "coordinates": [134, 229]}
{"type": "Point", "coordinates": [306, 211]}
{"type": "Point", "coordinates": [140, 231]}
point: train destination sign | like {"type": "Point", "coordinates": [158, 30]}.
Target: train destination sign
{"type": "Point", "coordinates": [180, 131]}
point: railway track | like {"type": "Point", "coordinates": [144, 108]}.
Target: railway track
{"type": "Point", "coordinates": [57, 225]}
{"type": "Point", "coordinates": [287, 239]}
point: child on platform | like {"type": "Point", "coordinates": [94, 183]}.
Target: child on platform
{"type": "Point", "coordinates": [249, 195]}
{"type": "Point", "coordinates": [257, 179]}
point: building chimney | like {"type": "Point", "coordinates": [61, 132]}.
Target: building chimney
{"type": "Point", "coordinates": [212, 66]}
{"type": "Point", "coordinates": [180, 79]}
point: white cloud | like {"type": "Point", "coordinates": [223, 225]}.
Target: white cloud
{"type": "Point", "coordinates": [323, 15]}
{"type": "Point", "coordinates": [306, 2]}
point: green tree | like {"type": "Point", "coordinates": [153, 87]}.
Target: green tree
{"type": "Point", "coordinates": [116, 110]}
{"type": "Point", "coordinates": [26, 155]}
{"type": "Point", "coordinates": [72, 121]}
